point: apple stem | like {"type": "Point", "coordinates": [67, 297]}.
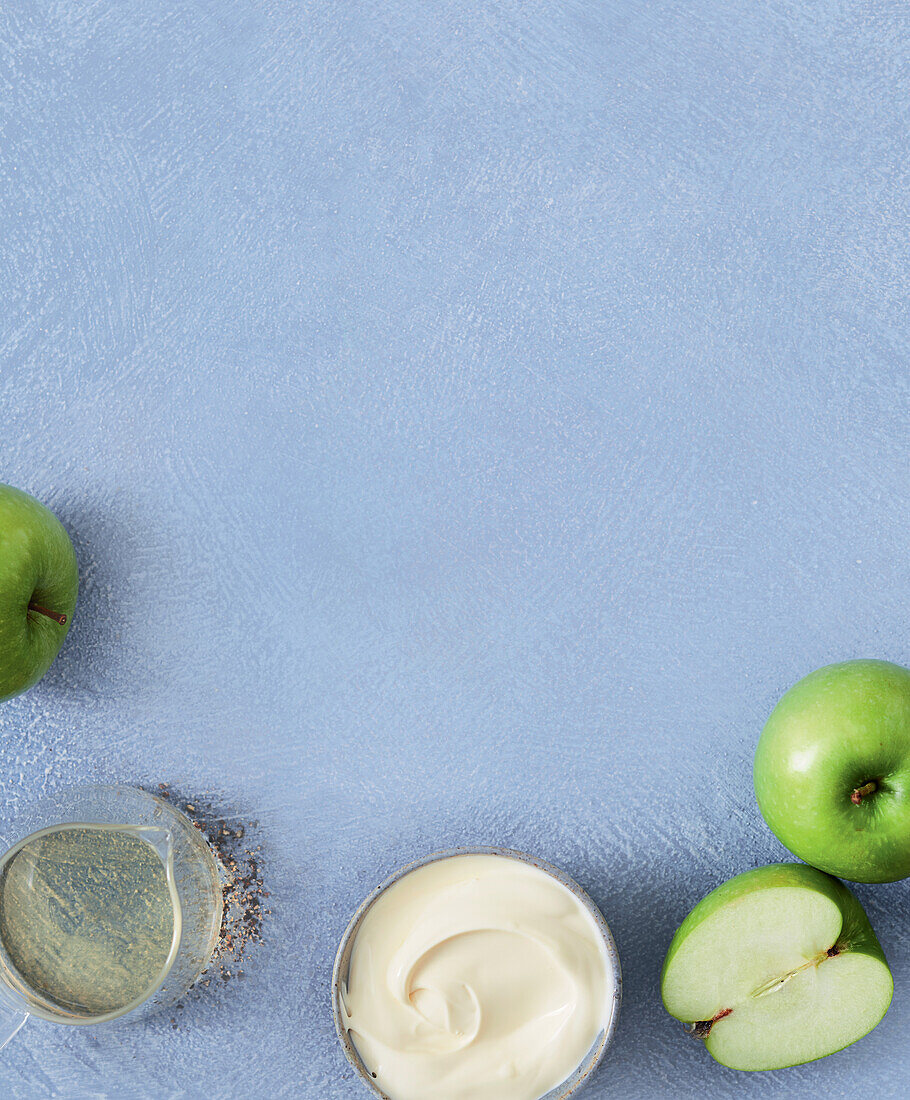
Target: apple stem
{"type": "Point", "coordinates": [55, 615]}
{"type": "Point", "coordinates": [860, 793]}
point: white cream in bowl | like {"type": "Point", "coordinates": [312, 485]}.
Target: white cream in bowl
{"type": "Point", "coordinates": [476, 977]}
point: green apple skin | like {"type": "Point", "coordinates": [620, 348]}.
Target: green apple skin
{"type": "Point", "coordinates": [37, 566]}
{"type": "Point", "coordinates": [747, 988]}
{"type": "Point", "coordinates": [838, 730]}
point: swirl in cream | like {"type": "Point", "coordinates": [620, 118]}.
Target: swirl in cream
{"type": "Point", "coordinates": [476, 977]}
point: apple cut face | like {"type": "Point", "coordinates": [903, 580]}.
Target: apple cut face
{"type": "Point", "coordinates": [777, 967]}
{"type": "Point", "coordinates": [818, 1011]}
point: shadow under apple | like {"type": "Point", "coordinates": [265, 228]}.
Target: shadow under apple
{"type": "Point", "coordinates": [96, 655]}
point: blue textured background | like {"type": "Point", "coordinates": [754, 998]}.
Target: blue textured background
{"type": "Point", "coordinates": [470, 417]}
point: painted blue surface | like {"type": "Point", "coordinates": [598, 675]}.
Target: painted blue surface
{"type": "Point", "coordinates": [470, 417]}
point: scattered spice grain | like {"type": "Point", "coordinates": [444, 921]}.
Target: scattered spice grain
{"type": "Point", "coordinates": [243, 890]}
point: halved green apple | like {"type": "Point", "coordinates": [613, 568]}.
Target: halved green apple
{"type": "Point", "coordinates": [777, 967]}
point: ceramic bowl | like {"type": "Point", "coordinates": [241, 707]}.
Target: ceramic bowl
{"type": "Point", "coordinates": [594, 1056]}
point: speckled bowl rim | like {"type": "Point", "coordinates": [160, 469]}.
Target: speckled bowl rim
{"type": "Point", "coordinates": [595, 1055]}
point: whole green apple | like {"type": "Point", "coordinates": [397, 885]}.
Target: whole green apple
{"type": "Point", "coordinates": [832, 770]}
{"type": "Point", "coordinates": [776, 967]}
{"type": "Point", "coordinates": [39, 581]}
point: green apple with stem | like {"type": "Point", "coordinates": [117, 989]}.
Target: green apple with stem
{"type": "Point", "coordinates": [832, 770]}
{"type": "Point", "coordinates": [39, 581]}
{"type": "Point", "coordinates": [777, 967]}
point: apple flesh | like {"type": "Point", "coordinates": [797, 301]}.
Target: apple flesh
{"type": "Point", "coordinates": [777, 967]}
{"type": "Point", "coordinates": [832, 770]}
{"type": "Point", "coordinates": [39, 581]}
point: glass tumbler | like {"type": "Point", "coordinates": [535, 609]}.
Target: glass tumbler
{"type": "Point", "coordinates": [110, 908]}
